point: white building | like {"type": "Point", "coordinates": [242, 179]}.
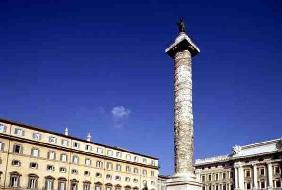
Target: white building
{"type": "Point", "coordinates": [253, 166]}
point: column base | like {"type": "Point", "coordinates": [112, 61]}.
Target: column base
{"type": "Point", "coordinates": [183, 182]}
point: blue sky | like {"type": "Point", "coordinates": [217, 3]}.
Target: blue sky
{"type": "Point", "coordinates": [100, 66]}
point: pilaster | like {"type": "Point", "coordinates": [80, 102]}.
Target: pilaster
{"type": "Point", "coordinates": [255, 176]}
{"type": "Point", "coordinates": [269, 175]}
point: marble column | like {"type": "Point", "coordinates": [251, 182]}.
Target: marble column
{"type": "Point", "coordinates": [182, 52]}
{"type": "Point", "coordinates": [269, 175]}
{"type": "Point", "coordinates": [241, 177]}
{"type": "Point", "coordinates": [236, 186]}
{"type": "Point", "coordinates": [255, 176]}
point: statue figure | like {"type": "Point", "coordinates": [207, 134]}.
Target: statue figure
{"type": "Point", "coordinates": [236, 149]}
{"type": "Point", "coordinates": [181, 25]}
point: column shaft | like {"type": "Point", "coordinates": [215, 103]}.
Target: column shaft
{"type": "Point", "coordinates": [269, 175]}
{"type": "Point", "coordinates": [236, 178]}
{"type": "Point", "coordinates": [241, 177]}
{"type": "Point", "coordinates": [255, 177]}
{"type": "Point", "coordinates": [183, 121]}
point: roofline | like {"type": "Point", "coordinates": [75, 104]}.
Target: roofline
{"type": "Point", "coordinates": [259, 143]}
{"type": "Point", "coordinates": [71, 137]}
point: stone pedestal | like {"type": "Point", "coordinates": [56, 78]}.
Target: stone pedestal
{"type": "Point", "coordinates": [184, 182]}
{"type": "Point", "coordinates": [182, 51]}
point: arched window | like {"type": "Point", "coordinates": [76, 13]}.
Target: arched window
{"type": "Point", "coordinates": [74, 184]}
{"type": "Point", "coordinates": [14, 179]}
{"type": "Point", "coordinates": [127, 187]}
{"type": "Point", "coordinates": [49, 183]}
{"type": "Point", "coordinates": [109, 186]}
{"type": "Point", "coordinates": [118, 187]}
{"type": "Point", "coordinates": [86, 185]}
{"type": "Point", "coordinates": [98, 186]}
{"type": "Point", "coordinates": [62, 183]}
{"type": "Point", "coordinates": [32, 181]}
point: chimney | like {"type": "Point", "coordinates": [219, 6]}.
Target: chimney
{"type": "Point", "coordinates": [88, 138]}
{"type": "Point", "coordinates": [66, 131]}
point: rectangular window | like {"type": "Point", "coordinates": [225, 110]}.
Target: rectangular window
{"type": "Point", "coordinates": [64, 158]}
{"type": "Point", "coordinates": [32, 182]}
{"type": "Point", "coordinates": [50, 168]}
{"type": "Point", "coordinates": [88, 147]}
{"type": "Point", "coordinates": [19, 132]}
{"type": "Point", "coordinates": [278, 184]}
{"type": "Point", "coordinates": [144, 160]}
{"type": "Point", "coordinates": [35, 152]}
{"type": "Point", "coordinates": [65, 142]}
{"type": "Point", "coordinates": [62, 185]}
{"type": "Point", "coordinates": [118, 154]}
{"type": "Point", "coordinates": [75, 159]}
{"type": "Point", "coordinates": [276, 170]}
{"type": "Point", "coordinates": [2, 146]}
{"type": "Point", "coordinates": [33, 165]}
{"type": "Point", "coordinates": [262, 171]}
{"type": "Point", "coordinates": [2, 128]}
{"type": "Point", "coordinates": [16, 163]}
{"type": "Point", "coordinates": [51, 155]}
{"type": "Point", "coordinates": [17, 149]}
{"type": "Point", "coordinates": [49, 184]}
{"type": "Point", "coordinates": [247, 173]}
{"type": "Point", "coordinates": [36, 136]}
{"type": "Point", "coordinates": [15, 181]}
{"type": "Point", "coordinates": [73, 186]}
{"type": "Point", "coordinates": [75, 144]}
{"type": "Point", "coordinates": [144, 172]}
{"type": "Point", "coordinates": [110, 153]}
{"type": "Point", "coordinates": [52, 139]}
{"type": "Point", "coordinates": [262, 185]}
{"type": "Point", "coordinates": [63, 170]}
{"type": "Point", "coordinates": [99, 150]}
{"type": "Point", "coordinates": [86, 173]}
{"type": "Point", "coordinates": [248, 185]}
{"type": "Point", "coordinates": [87, 162]}
{"type": "Point", "coordinates": [86, 186]}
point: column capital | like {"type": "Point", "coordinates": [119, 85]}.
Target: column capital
{"type": "Point", "coordinates": [182, 42]}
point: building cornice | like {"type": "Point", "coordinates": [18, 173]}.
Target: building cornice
{"type": "Point", "coordinates": [32, 127]}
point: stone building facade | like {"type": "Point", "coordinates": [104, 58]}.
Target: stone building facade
{"type": "Point", "coordinates": [35, 158]}
{"type": "Point", "coordinates": [253, 166]}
